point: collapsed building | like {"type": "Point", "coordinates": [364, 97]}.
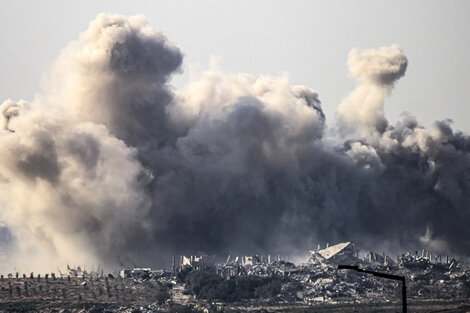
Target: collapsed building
{"type": "Point", "coordinates": [135, 272]}
{"type": "Point", "coordinates": [318, 280]}
{"type": "Point", "coordinates": [379, 259]}
{"type": "Point", "coordinates": [341, 253]}
{"type": "Point", "coordinates": [199, 263]}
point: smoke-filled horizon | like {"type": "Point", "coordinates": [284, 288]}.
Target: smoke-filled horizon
{"type": "Point", "coordinates": [111, 165]}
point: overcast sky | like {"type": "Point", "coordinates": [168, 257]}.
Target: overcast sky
{"type": "Point", "coordinates": [308, 40]}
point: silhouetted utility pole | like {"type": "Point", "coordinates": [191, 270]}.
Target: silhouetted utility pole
{"type": "Point", "coordinates": [383, 275]}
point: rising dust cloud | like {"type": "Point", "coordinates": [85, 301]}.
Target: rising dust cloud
{"type": "Point", "coordinates": [110, 165]}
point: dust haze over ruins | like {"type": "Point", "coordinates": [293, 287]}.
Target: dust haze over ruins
{"type": "Point", "coordinates": [109, 164]}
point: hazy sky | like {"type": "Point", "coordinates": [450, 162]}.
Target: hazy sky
{"type": "Point", "coordinates": [309, 40]}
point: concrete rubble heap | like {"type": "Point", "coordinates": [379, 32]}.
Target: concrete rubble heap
{"type": "Point", "coordinates": [319, 280]}
{"type": "Point", "coordinates": [316, 281]}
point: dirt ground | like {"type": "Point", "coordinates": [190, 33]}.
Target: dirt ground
{"type": "Point", "coordinates": [104, 294]}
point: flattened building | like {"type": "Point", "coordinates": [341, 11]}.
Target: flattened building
{"type": "Point", "coordinates": [341, 253]}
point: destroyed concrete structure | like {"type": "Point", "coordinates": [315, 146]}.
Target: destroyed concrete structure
{"type": "Point", "coordinates": [135, 272]}
{"type": "Point", "coordinates": [379, 259]}
{"type": "Point", "coordinates": [316, 281]}
{"type": "Point", "coordinates": [340, 253]}
{"type": "Point", "coordinates": [199, 262]}
{"type": "Point", "coordinates": [319, 281]}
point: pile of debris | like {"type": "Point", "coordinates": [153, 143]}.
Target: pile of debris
{"type": "Point", "coordinates": [316, 281]}
{"type": "Point", "coordinates": [319, 280]}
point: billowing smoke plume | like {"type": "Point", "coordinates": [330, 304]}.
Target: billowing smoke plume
{"type": "Point", "coordinates": [362, 112]}
{"type": "Point", "coordinates": [111, 165]}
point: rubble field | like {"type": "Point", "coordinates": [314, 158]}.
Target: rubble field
{"type": "Point", "coordinates": [252, 284]}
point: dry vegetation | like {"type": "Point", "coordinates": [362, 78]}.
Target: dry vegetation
{"type": "Point", "coordinates": [78, 289]}
{"type": "Point", "coordinates": [109, 294]}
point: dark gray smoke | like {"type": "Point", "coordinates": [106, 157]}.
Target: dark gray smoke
{"type": "Point", "coordinates": [118, 167]}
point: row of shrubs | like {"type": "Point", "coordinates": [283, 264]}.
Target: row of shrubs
{"type": "Point", "coordinates": [209, 285]}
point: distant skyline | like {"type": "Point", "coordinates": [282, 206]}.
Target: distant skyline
{"type": "Point", "coordinates": [308, 40]}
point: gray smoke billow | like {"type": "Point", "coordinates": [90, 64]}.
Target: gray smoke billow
{"type": "Point", "coordinates": [111, 165]}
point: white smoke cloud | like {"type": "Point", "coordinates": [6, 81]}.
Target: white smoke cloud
{"type": "Point", "coordinates": [10, 109]}
{"type": "Point", "coordinates": [362, 112]}
{"type": "Point", "coordinates": [110, 165]}
{"type": "Point", "coordinates": [69, 189]}
{"type": "Point", "coordinates": [380, 67]}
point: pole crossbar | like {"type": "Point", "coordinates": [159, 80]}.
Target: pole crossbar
{"type": "Point", "coordinates": [383, 275]}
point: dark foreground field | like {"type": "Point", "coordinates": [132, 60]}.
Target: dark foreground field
{"type": "Point", "coordinates": [100, 307]}
{"type": "Point", "coordinates": [105, 294]}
